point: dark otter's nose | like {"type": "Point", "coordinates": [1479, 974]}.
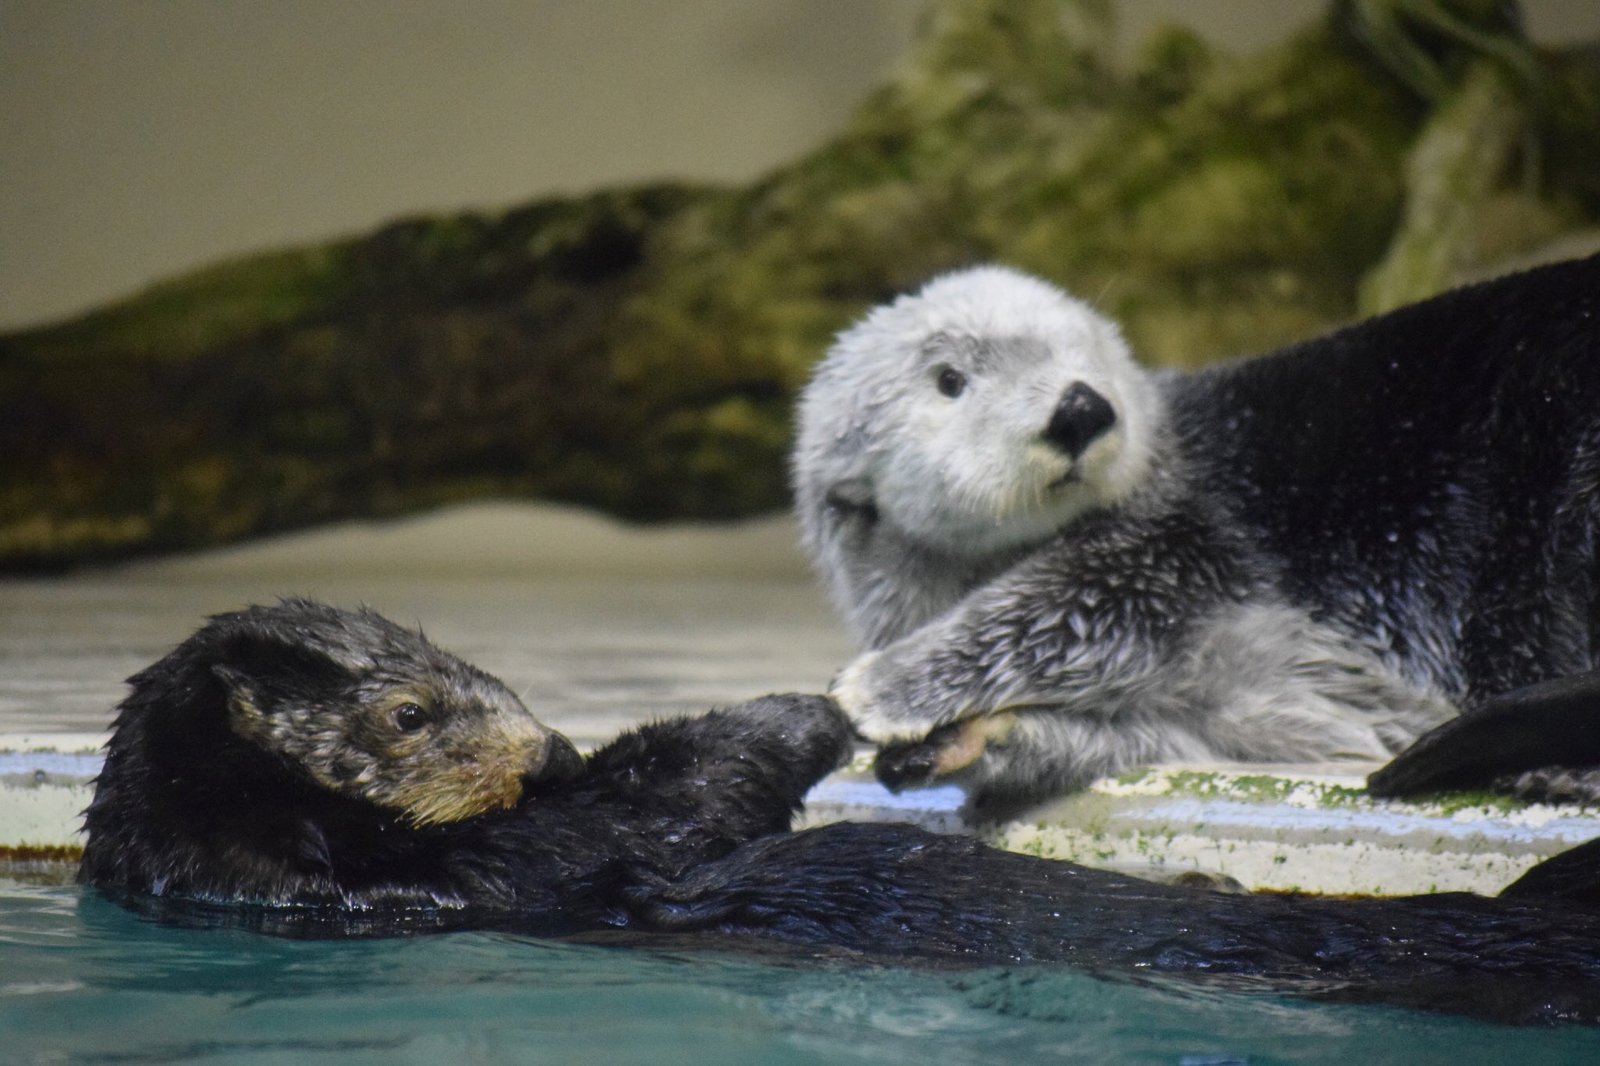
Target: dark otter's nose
{"type": "Point", "coordinates": [561, 763]}
{"type": "Point", "coordinates": [1080, 417]}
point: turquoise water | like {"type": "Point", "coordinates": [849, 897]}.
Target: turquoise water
{"type": "Point", "coordinates": [82, 981]}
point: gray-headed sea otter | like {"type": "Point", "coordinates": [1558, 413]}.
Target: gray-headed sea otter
{"type": "Point", "coordinates": [1062, 566]}
{"type": "Point", "coordinates": [223, 794]}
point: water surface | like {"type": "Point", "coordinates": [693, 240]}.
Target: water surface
{"type": "Point", "coordinates": [83, 981]}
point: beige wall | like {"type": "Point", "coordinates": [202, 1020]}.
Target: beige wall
{"type": "Point", "coordinates": [140, 138]}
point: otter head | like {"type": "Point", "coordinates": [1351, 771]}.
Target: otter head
{"type": "Point", "coordinates": [369, 710]}
{"type": "Point", "coordinates": [973, 418]}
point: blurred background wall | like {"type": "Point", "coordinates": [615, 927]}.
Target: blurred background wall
{"type": "Point", "coordinates": [140, 138]}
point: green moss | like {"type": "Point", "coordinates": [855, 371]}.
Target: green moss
{"type": "Point", "coordinates": [1171, 64]}
{"type": "Point", "coordinates": [1449, 803]}
{"type": "Point", "coordinates": [1342, 796]}
{"type": "Point", "coordinates": [1264, 788]}
{"type": "Point", "coordinates": [188, 315]}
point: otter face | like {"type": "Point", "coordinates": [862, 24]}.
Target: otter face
{"type": "Point", "coordinates": [979, 414]}
{"type": "Point", "coordinates": [369, 710]}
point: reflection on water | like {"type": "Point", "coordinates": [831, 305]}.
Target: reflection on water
{"type": "Point", "coordinates": [640, 623]}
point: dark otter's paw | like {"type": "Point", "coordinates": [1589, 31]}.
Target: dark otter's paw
{"type": "Point", "coordinates": [743, 769]}
{"type": "Point", "coordinates": [943, 753]}
{"type": "Point", "coordinates": [910, 765]}
{"type": "Point", "coordinates": [810, 727]}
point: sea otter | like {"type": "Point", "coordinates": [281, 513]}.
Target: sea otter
{"type": "Point", "coordinates": [675, 834]}
{"type": "Point", "coordinates": [317, 763]}
{"type": "Point", "coordinates": [1323, 551]}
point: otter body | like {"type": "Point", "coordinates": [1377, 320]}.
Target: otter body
{"type": "Point", "coordinates": [897, 892]}
{"type": "Point", "coordinates": [1328, 550]}
{"type": "Point", "coordinates": [676, 834]}
{"type": "Point", "coordinates": [318, 764]}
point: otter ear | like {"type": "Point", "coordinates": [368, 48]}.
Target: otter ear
{"type": "Point", "coordinates": [272, 664]}
{"type": "Point", "coordinates": [246, 716]}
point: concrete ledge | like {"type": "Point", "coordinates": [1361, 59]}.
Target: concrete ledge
{"type": "Point", "coordinates": [1304, 828]}
{"type": "Point", "coordinates": [1282, 828]}
{"type": "Point", "coordinates": [46, 781]}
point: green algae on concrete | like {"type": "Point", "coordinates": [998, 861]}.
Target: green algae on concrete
{"type": "Point", "coordinates": [1311, 829]}
{"type": "Point", "coordinates": [637, 350]}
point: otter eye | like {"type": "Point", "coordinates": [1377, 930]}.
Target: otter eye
{"type": "Point", "coordinates": [951, 382]}
{"type": "Point", "coordinates": [409, 717]}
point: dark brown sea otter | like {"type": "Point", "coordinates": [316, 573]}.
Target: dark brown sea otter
{"type": "Point", "coordinates": [261, 775]}
{"type": "Point", "coordinates": [318, 764]}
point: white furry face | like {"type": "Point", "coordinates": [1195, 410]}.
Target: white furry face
{"type": "Point", "coordinates": [977, 415]}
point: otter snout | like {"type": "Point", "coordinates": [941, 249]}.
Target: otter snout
{"type": "Point", "coordinates": [1081, 417]}
{"type": "Point", "coordinates": [561, 763]}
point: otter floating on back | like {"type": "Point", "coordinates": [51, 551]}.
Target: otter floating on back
{"type": "Point", "coordinates": [1315, 553]}
{"type": "Point", "coordinates": [678, 830]}
{"type": "Point", "coordinates": [316, 764]}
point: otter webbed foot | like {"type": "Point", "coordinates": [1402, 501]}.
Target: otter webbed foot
{"type": "Point", "coordinates": [1573, 876]}
{"type": "Point", "coordinates": [1498, 743]}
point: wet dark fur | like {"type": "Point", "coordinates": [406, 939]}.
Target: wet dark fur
{"type": "Point", "coordinates": [1427, 479]}
{"type": "Point", "coordinates": [675, 833]}
{"type": "Point", "coordinates": [898, 892]}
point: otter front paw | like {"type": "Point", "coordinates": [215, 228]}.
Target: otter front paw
{"type": "Point", "coordinates": [810, 731]}
{"type": "Point", "coordinates": [941, 755]}
{"type": "Point", "coordinates": [873, 707]}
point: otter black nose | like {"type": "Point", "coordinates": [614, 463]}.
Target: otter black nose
{"type": "Point", "coordinates": [1081, 416]}
{"type": "Point", "coordinates": [561, 763]}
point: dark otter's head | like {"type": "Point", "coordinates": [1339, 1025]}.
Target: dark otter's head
{"type": "Point", "coordinates": [343, 700]}
{"type": "Point", "coordinates": [299, 752]}
{"type": "Point", "coordinates": [373, 711]}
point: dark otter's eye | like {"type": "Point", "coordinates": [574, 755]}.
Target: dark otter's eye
{"type": "Point", "coordinates": [409, 717]}
{"type": "Point", "coordinates": [951, 381]}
